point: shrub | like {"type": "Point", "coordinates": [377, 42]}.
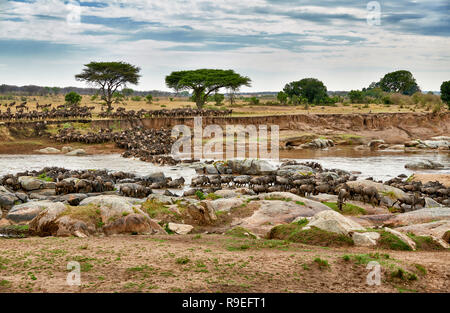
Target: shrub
{"type": "Point", "coordinates": [73, 99]}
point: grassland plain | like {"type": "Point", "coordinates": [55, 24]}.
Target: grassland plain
{"type": "Point", "coordinates": [211, 263]}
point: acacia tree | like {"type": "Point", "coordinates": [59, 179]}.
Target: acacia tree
{"type": "Point", "coordinates": [399, 82]}
{"type": "Point", "coordinates": [109, 76]}
{"type": "Point", "coordinates": [203, 82]}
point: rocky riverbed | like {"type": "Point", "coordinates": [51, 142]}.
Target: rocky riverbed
{"type": "Point", "coordinates": [252, 210]}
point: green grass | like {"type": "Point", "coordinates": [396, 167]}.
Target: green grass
{"type": "Point", "coordinates": [347, 208]}
{"type": "Point", "coordinates": [88, 213]}
{"type": "Point", "coordinates": [390, 241]}
{"type": "Point", "coordinates": [5, 283]}
{"type": "Point", "coordinates": [313, 236]}
{"type": "Point", "coordinates": [323, 264]}
{"type": "Point", "coordinates": [44, 177]}
{"type": "Point", "coordinates": [402, 274]}
{"type": "Point", "coordinates": [300, 203]}
{"type": "Point", "coordinates": [157, 209]}
{"type": "Point", "coordinates": [240, 232]}
{"type": "Point", "coordinates": [425, 243]}
{"type": "Point", "coordinates": [183, 260]}
{"type": "Point", "coordinates": [213, 196]}
{"type": "Point", "coordinates": [421, 269]}
{"type": "Point", "coordinates": [200, 195]}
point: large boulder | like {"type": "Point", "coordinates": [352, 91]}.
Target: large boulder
{"type": "Point", "coordinates": [49, 150]}
{"type": "Point", "coordinates": [224, 204]}
{"type": "Point", "coordinates": [274, 212]}
{"type": "Point", "coordinates": [419, 217]}
{"type": "Point", "coordinates": [76, 152]}
{"type": "Point", "coordinates": [134, 224]}
{"type": "Point", "coordinates": [381, 188]}
{"type": "Point", "coordinates": [157, 177]}
{"type": "Point", "coordinates": [180, 229]}
{"type": "Point", "coordinates": [334, 222]}
{"type": "Point", "coordinates": [30, 183]}
{"type": "Point", "coordinates": [295, 169]}
{"type": "Point", "coordinates": [365, 239]}
{"type": "Point", "coordinates": [7, 199]}
{"type": "Point", "coordinates": [28, 211]}
{"type": "Point", "coordinates": [202, 214]}
{"type": "Point", "coordinates": [433, 229]}
{"type": "Point", "coordinates": [224, 193]}
{"type": "Point", "coordinates": [424, 165]}
{"type": "Point", "coordinates": [112, 206]}
{"type": "Point", "coordinates": [318, 144]}
{"type": "Point", "coordinates": [251, 167]}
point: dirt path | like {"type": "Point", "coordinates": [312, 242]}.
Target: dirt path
{"type": "Point", "coordinates": [209, 263]}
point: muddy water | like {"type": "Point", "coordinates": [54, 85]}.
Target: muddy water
{"type": "Point", "coordinates": [379, 165]}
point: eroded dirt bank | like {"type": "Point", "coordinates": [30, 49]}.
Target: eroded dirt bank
{"type": "Point", "coordinates": [392, 127]}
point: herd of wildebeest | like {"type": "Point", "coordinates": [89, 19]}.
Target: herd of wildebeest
{"type": "Point", "coordinates": [46, 112]}
{"type": "Point", "coordinates": [81, 183]}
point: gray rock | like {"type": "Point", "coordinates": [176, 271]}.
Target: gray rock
{"type": "Point", "coordinates": [180, 229]}
{"type": "Point", "coordinates": [430, 203]}
{"type": "Point", "coordinates": [226, 193]}
{"type": "Point", "coordinates": [436, 230]}
{"type": "Point", "coordinates": [28, 211]}
{"type": "Point", "coordinates": [7, 200]}
{"type": "Point", "coordinates": [211, 170]}
{"type": "Point", "coordinates": [30, 183]}
{"type": "Point", "coordinates": [419, 216]}
{"type": "Point", "coordinates": [381, 188]}
{"type": "Point", "coordinates": [365, 239]}
{"type": "Point", "coordinates": [157, 177]}
{"type": "Point", "coordinates": [424, 165]}
{"type": "Point", "coordinates": [334, 222]}
{"type": "Point", "coordinates": [49, 150]}
{"type": "Point", "coordinates": [224, 204]}
{"type": "Point", "coordinates": [67, 149]}
{"type": "Point", "coordinates": [77, 152]}
{"type": "Point", "coordinates": [73, 198]}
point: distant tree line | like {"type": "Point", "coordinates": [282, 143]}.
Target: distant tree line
{"type": "Point", "coordinates": [32, 90]}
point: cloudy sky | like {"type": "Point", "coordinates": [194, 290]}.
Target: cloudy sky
{"type": "Point", "coordinates": [46, 42]}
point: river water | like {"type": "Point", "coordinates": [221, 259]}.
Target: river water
{"type": "Point", "coordinates": [379, 165]}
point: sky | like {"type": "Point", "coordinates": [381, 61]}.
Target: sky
{"type": "Point", "coordinates": [346, 44]}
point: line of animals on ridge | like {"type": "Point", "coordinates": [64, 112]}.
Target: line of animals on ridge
{"type": "Point", "coordinates": [45, 111]}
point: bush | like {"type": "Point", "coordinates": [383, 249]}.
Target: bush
{"type": "Point", "coordinates": [136, 98]}
{"type": "Point", "coordinates": [149, 98]}
{"type": "Point", "coordinates": [73, 99]}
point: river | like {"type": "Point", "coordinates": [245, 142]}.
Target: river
{"type": "Point", "coordinates": [379, 165]}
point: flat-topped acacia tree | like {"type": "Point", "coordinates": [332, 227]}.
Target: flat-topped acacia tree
{"type": "Point", "coordinates": [203, 82]}
{"type": "Point", "coordinates": [109, 76]}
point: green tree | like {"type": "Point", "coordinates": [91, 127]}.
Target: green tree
{"type": "Point", "coordinates": [282, 97]}
{"type": "Point", "coordinates": [399, 82]}
{"type": "Point", "coordinates": [127, 92]}
{"type": "Point", "coordinates": [149, 98]}
{"type": "Point", "coordinates": [218, 98]}
{"type": "Point", "coordinates": [108, 77]}
{"type": "Point", "coordinates": [73, 99]}
{"type": "Point", "coordinates": [356, 96]}
{"type": "Point", "coordinates": [203, 82]}
{"type": "Point", "coordinates": [445, 92]}
{"type": "Point", "coordinates": [310, 88]}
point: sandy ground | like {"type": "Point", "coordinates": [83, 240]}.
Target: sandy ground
{"type": "Point", "coordinates": [207, 263]}
{"type": "Point", "coordinates": [424, 178]}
